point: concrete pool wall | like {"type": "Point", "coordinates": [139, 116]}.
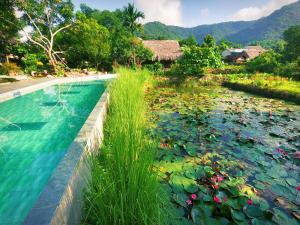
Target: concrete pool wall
{"type": "Point", "coordinates": [61, 200]}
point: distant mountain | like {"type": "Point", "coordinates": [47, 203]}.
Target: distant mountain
{"type": "Point", "coordinates": [266, 28]}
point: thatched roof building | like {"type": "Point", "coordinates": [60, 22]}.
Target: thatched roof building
{"type": "Point", "coordinates": [164, 50]}
{"type": "Point", "coordinates": [242, 55]}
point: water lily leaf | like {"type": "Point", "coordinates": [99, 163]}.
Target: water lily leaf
{"type": "Point", "coordinates": [180, 199]}
{"type": "Point", "coordinates": [238, 215]}
{"type": "Point", "coordinates": [281, 218]}
{"type": "Point", "coordinates": [253, 211]}
{"type": "Point", "coordinates": [195, 214]}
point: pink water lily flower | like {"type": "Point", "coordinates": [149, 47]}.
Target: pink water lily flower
{"type": "Point", "coordinates": [250, 202]}
{"type": "Point", "coordinates": [298, 188]}
{"type": "Point", "coordinates": [214, 179]}
{"type": "Point", "coordinates": [217, 200]}
{"type": "Point", "coordinates": [189, 202]}
{"type": "Point", "coordinates": [220, 178]}
{"type": "Point", "coordinates": [216, 187]}
{"type": "Point", "coordinates": [193, 196]}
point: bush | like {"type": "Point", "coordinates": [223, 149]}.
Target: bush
{"type": "Point", "coordinates": [156, 68]}
{"type": "Point", "coordinates": [291, 70]}
{"type": "Point", "coordinates": [195, 59]}
{"type": "Point", "coordinates": [34, 62]}
{"type": "Point", "coordinates": [265, 63]}
{"type": "Point", "coordinates": [9, 69]}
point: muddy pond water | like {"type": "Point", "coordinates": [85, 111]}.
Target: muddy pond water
{"type": "Point", "coordinates": [237, 153]}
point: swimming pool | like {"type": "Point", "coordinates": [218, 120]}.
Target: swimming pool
{"type": "Point", "coordinates": [35, 132]}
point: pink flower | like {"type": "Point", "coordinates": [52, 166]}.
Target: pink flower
{"type": "Point", "coordinates": [280, 150]}
{"type": "Point", "coordinates": [225, 199]}
{"type": "Point", "coordinates": [214, 179]}
{"type": "Point", "coordinates": [189, 202]}
{"type": "Point", "coordinates": [250, 202]}
{"type": "Point", "coordinates": [220, 178]}
{"type": "Point", "coordinates": [217, 200]}
{"type": "Point", "coordinates": [298, 188]}
{"type": "Point", "coordinates": [193, 196]}
{"type": "Point", "coordinates": [216, 187]}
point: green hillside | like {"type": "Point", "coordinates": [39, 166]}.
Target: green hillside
{"type": "Point", "coordinates": [267, 28]}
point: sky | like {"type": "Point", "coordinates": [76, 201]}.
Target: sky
{"type": "Point", "coordinates": [190, 13]}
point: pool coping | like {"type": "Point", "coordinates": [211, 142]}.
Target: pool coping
{"type": "Point", "coordinates": [61, 200]}
{"type": "Point", "coordinates": [16, 92]}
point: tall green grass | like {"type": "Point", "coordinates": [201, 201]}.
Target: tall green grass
{"type": "Point", "coordinates": [123, 189]}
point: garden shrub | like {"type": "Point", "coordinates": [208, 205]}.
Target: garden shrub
{"type": "Point", "coordinates": [34, 62]}
{"type": "Point", "coordinates": [156, 68]}
{"type": "Point", "coordinates": [9, 68]}
{"type": "Point", "coordinates": [195, 59]}
{"type": "Point", "coordinates": [291, 70]}
{"type": "Point", "coordinates": [265, 63]}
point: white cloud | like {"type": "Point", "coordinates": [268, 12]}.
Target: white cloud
{"type": "Point", "coordinates": [205, 12]}
{"type": "Point", "coordinates": [165, 11]}
{"type": "Point", "coordinates": [253, 13]}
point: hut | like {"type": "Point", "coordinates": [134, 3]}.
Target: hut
{"type": "Point", "coordinates": [242, 55]}
{"type": "Point", "coordinates": [164, 51]}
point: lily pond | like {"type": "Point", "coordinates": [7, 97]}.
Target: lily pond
{"type": "Point", "coordinates": [226, 157]}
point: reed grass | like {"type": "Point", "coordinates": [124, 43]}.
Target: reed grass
{"type": "Point", "coordinates": [123, 190]}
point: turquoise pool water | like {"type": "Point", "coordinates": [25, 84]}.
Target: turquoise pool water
{"type": "Point", "coordinates": [35, 132]}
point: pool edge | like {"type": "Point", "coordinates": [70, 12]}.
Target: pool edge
{"type": "Point", "coordinates": [61, 200]}
{"type": "Point", "coordinates": [17, 92]}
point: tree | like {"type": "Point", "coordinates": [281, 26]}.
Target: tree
{"type": "Point", "coordinates": [267, 62]}
{"type": "Point", "coordinates": [209, 41]}
{"type": "Point", "coordinates": [87, 43]}
{"type": "Point", "coordinates": [47, 18]}
{"type": "Point", "coordinates": [190, 41]}
{"type": "Point", "coordinates": [131, 18]}
{"type": "Point", "coordinates": [8, 32]}
{"type": "Point", "coordinates": [292, 48]}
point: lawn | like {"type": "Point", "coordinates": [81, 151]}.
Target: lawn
{"type": "Point", "coordinates": [266, 81]}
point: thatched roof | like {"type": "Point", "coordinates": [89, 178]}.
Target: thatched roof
{"type": "Point", "coordinates": [168, 50]}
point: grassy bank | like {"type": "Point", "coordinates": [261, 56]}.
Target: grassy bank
{"type": "Point", "coordinates": [123, 188]}
{"type": "Point", "coordinates": [265, 85]}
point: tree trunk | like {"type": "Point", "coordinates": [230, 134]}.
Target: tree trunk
{"type": "Point", "coordinates": [52, 60]}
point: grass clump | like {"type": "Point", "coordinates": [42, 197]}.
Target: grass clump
{"type": "Point", "coordinates": [123, 189]}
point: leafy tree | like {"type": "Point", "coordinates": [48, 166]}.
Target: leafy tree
{"type": "Point", "coordinates": [190, 41]}
{"type": "Point", "coordinates": [9, 27]}
{"type": "Point", "coordinates": [292, 38]}
{"type": "Point", "coordinates": [131, 18]}
{"type": "Point", "coordinates": [47, 18]}
{"type": "Point", "coordinates": [196, 58]}
{"type": "Point", "coordinates": [209, 41]}
{"type": "Point", "coordinates": [87, 43]}
{"type": "Point", "coordinates": [267, 62]}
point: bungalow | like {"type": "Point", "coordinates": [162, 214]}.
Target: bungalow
{"type": "Point", "coordinates": [164, 51]}
{"type": "Point", "coordinates": [242, 55]}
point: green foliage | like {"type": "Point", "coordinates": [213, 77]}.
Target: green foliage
{"type": "Point", "coordinates": [292, 49]}
{"type": "Point", "coordinates": [209, 42]}
{"type": "Point", "coordinates": [267, 62]}
{"type": "Point", "coordinates": [156, 68]}
{"type": "Point", "coordinates": [130, 18]}
{"type": "Point", "coordinates": [123, 189]}
{"type": "Point", "coordinates": [87, 43]}
{"type": "Point", "coordinates": [9, 26]}
{"type": "Point", "coordinates": [196, 58]}
{"type": "Point", "coordinates": [34, 62]}
{"type": "Point", "coordinates": [291, 70]}
{"type": "Point", "coordinates": [9, 68]}
{"type": "Point", "coordinates": [189, 42]}
{"type": "Point", "coordinates": [142, 54]}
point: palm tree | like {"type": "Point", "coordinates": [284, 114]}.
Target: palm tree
{"type": "Point", "coordinates": [131, 21]}
{"type": "Point", "coordinates": [131, 17]}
